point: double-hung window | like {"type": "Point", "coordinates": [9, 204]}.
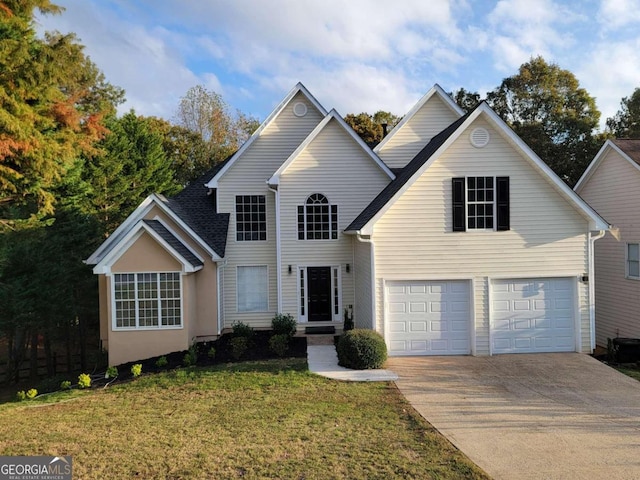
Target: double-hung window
{"type": "Point", "coordinates": [480, 203]}
{"type": "Point", "coordinates": [251, 218]}
{"type": "Point", "coordinates": [147, 300]}
{"type": "Point", "coordinates": [317, 219]}
{"type": "Point", "coordinates": [633, 260]}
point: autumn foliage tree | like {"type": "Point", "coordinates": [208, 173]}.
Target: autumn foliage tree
{"type": "Point", "coordinates": [52, 102]}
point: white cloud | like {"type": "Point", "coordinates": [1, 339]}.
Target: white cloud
{"type": "Point", "coordinates": [615, 14]}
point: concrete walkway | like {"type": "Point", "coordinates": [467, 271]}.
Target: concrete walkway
{"type": "Point", "coordinates": [323, 360]}
{"type": "Point", "coordinates": [538, 416]}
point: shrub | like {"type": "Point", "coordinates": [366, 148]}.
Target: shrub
{"type": "Point", "coordinates": [283, 325]}
{"type": "Point", "coordinates": [162, 362]}
{"type": "Point", "coordinates": [242, 330]}
{"type": "Point", "coordinates": [32, 393]}
{"type": "Point", "coordinates": [136, 370]}
{"type": "Point", "coordinates": [21, 396]}
{"type": "Point", "coordinates": [348, 321]}
{"type": "Point", "coordinates": [84, 380]}
{"type": "Point", "coordinates": [65, 385]}
{"type": "Point", "coordinates": [361, 349]}
{"type": "Point", "coordinates": [239, 346]}
{"type": "Point", "coordinates": [112, 372]}
{"type": "Point", "coordinates": [212, 353]}
{"type": "Point", "coordinates": [279, 344]}
{"type": "Point", "coordinates": [191, 357]}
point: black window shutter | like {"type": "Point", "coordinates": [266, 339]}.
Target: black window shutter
{"type": "Point", "coordinates": [502, 203]}
{"type": "Point", "coordinates": [458, 205]}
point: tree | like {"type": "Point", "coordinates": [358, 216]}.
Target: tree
{"type": "Point", "coordinates": [546, 107]}
{"type": "Point", "coordinates": [207, 115]}
{"type": "Point", "coordinates": [52, 101]}
{"type": "Point", "coordinates": [371, 127]}
{"type": "Point", "coordinates": [129, 165]}
{"type": "Point", "coordinates": [626, 122]}
{"type": "Point", "coordinates": [465, 99]}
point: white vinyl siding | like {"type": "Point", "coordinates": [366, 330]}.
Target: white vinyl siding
{"type": "Point", "coordinates": [431, 119]}
{"type": "Point", "coordinates": [612, 191]}
{"type": "Point", "coordinates": [548, 237]}
{"type": "Point", "coordinates": [247, 176]}
{"type": "Point", "coordinates": [362, 312]}
{"type": "Point", "coordinates": [329, 165]}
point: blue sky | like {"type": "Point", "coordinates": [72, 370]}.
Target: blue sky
{"type": "Point", "coordinates": [355, 55]}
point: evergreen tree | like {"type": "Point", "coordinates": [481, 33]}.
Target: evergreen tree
{"type": "Point", "coordinates": [626, 122]}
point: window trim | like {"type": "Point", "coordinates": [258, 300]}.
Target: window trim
{"type": "Point", "coordinates": [305, 230]}
{"type": "Point", "coordinates": [266, 223]}
{"type": "Point", "coordinates": [500, 203]}
{"type": "Point", "coordinates": [137, 327]}
{"type": "Point", "coordinates": [237, 290]}
{"type": "Point", "coordinates": [468, 202]}
{"type": "Point", "coordinates": [627, 261]}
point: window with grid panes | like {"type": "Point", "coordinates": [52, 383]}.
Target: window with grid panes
{"type": "Point", "coordinates": [317, 219]}
{"type": "Point", "coordinates": [251, 218]}
{"type": "Point", "coordinates": [147, 300]}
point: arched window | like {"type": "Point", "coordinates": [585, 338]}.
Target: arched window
{"type": "Point", "coordinates": [317, 219]}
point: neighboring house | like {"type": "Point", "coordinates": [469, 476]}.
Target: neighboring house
{"type": "Point", "coordinates": [611, 185]}
{"type": "Point", "coordinates": [450, 237]}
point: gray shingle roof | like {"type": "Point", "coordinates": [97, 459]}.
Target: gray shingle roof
{"type": "Point", "coordinates": [197, 209]}
{"type": "Point", "coordinates": [174, 241]}
{"type": "Point", "coordinates": [403, 177]}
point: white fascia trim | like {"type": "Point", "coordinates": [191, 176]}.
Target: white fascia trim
{"type": "Point", "coordinates": [333, 114]}
{"type": "Point", "coordinates": [595, 221]}
{"type": "Point", "coordinates": [137, 215]}
{"type": "Point", "coordinates": [435, 90]}
{"type": "Point", "coordinates": [595, 163]}
{"type": "Point", "coordinates": [104, 266]}
{"type": "Point", "coordinates": [213, 183]}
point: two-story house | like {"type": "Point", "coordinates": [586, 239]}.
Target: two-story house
{"type": "Point", "coordinates": [450, 237]}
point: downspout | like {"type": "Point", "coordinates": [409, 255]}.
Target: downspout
{"type": "Point", "coordinates": [373, 277]}
{"type": "Point", "coordinates": [278, 249]}
{"type": "Point", "coordinates": [219, 279]}
{"type": "Point", "coordinates": [592, 289]}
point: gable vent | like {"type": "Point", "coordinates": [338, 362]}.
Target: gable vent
{"type": "Point", "coordinates": [299, 109]}
{"type": "Point", "coordinates": [479, 137]}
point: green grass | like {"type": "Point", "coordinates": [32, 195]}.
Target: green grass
{"type": "Point", "coordinates": [633, 372]}
{"type": "Point", "coordinates": [249, 420]}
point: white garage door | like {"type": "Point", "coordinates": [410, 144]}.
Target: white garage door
{"type": "Point", "coordinates": [533, 315]}
{"type": "Point", "coordinates": [428, 318]}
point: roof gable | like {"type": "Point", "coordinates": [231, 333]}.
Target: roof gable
{"type": "Point", "coordinates": [169, 240]}
{"type": "Point", "coordinates": [333, 115]}
{"type": "Point", "coordinates": [299, 88]}
{"type": "Point", "coordinates": [628, 149]}
{"type": "Point", "coordinates": [435, 91]}
{"type": "Point", "coordinates": [438, 145]}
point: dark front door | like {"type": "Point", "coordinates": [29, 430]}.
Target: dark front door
{"type": "Point", "coordinates": [319, 279]}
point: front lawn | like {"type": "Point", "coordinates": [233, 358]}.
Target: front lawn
{"type": "Point", "coordinates": [268, 419]}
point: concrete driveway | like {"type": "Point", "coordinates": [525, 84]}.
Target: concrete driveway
{"type": "Point", "coordinates": [538, 416]}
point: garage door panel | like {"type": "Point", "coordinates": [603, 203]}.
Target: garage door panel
{"type": "Point", "coordinates": [533, 315]}
{"type": "Point", "coordinates": [435, 316]}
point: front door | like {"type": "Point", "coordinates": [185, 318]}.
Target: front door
{"type": "Point", "coordinates": [319, 279]}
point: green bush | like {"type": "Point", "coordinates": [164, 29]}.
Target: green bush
{"type": "Point", "coordinates": [212, 353]}
{"type": "Point", "coordinates": [136, 370]}
{"type": "Point", "coordinates": [279, 344]}
{"type": "Point", "coordinates": [21, 396]}
{"type": "Point", "coordinates": [112, 372]}
{"type": "Point", "coordinates": [162, 362]}
{"type": "Point", "coordinates": [283, 325]}
{"type": "Point", "coordinates": [84, 380]}
{"type": "Point", "coordinates": [239, 346]}
{"type": "Point", "coordinates": [32, 393]}
{"type": "Point", "coordinates": [242, 330]}
{"type": "Point", "coordinates": [65, 385]}
{"type": "Point", "coordinates": [348, 321]}
{"type": "Point", "coordinates": [191, 357]}
{"type": "Point", "coordinates": [361, 349]}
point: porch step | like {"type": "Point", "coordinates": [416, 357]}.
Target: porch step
{"type": "Point", "coordinates": [320, 330]}
{"type": "Point", "coordinates": [320, 340]}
